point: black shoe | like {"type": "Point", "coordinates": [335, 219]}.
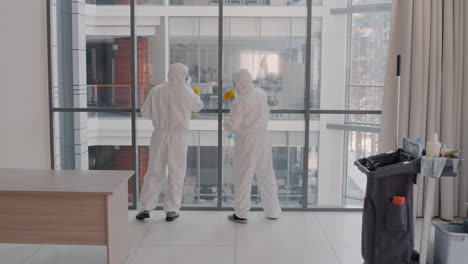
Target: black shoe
{"type": "Point", "coordinates": [236, 219]}
{"type": "Point", "coordinates": [171, 216]}
{"type": "Point", "coordinates": [143, 215]}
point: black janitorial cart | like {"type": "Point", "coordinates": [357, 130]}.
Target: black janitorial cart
{"type": "Point", "coordinates": [388, 222]}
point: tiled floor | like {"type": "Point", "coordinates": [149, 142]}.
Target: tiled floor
{"type": "Point", "coordinates": [208, 238]}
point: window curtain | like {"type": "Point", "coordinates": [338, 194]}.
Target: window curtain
{"type": "Point", "coordinates": [432, 38]}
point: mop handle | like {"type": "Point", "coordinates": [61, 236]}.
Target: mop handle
{"type": "Point", "coordinates": [428, 210]}
{"type": "Point", "coordinates": [398, 71]}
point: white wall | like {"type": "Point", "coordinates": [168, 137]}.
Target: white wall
{"type": "Point", "coordinates": [24, 122]}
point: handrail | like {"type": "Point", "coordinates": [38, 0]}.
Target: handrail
{"type": "Point", "coordinates": [119, 85]}
{"type": "Point", "coordinates": [214, 111]}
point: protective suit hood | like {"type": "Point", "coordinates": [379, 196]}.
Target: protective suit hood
{"type": "Point", "coordinates": [177, 74]}
{"type": "Point", "coordinates": [243, 82]}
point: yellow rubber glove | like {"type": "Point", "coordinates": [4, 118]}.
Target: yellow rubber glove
{"type": "Point", "coordinates": [231, 94]}
{"type": "Point", "coordinates": [196, 90]}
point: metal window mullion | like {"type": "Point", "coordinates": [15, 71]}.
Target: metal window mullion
{"type": "Point", "coordinates": [220, 103]}
{"type": "Point", "coordinates": [349, 30]}
{"type": "Point", "coordinates": [50, 90]}
{"type": "Point", "coordinates": [305, 175]}
{"type": "Point", "coordinates": [199, 51]}
{"type": "Point", "coordinates": [198, 164]}
{"type": "Point", "coordinates": [134, 98]}
{"type": "Point", "coordinates": [288, 188]}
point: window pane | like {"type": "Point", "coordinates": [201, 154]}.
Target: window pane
{"type": "Point", "coordinates": [91, 54]}
{"type": "Point", "coordinates": [336, 141]}
{"type": "Point", "coordinates": [273, 50]}
{"type": "Point", "coordinates": [124, 2]}
{"type": "Point", "coordinates": [368, 55]}
{"type": "Point", "coordinates": [316, 63]}
{"type": "Point", "coordinates": [193, 2]}
{"type": "Point", "coordinates": [366, 2]}
{"type": "Point", "coordinates": [288, 159]}
{"type": "Point", "coordinates": [94, 141]}
{"type": "Point", "coordinates": [245, 2]}
{"type": "Point", "coordinates": [201, 179]}
{"type": "Point", "coordinates": [349, 60]}
{"type": "Point", "coordinates": [313, 163]}
{"type": "Point", "coordinates": [369, 45]}
{"type": "Point", "coordinates": [360, 144]}
{"type": "Point", "coordinates": [193, 42]}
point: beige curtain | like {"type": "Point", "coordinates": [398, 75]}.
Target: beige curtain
{"type": "Point", "coordinates": [432, 38]}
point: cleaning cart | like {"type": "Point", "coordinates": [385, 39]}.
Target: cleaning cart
{"type": "Point", "coordinates": [388, 222]}
{"type": "Point", "coordinates": [388, 217]}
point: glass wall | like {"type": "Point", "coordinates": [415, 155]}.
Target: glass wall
{"type": "Point", "coordinates": [288, 157]}
{"type": "Point", "coordinates": [271, 48]}
{"type": "Point", "coordinates": [325, 101]}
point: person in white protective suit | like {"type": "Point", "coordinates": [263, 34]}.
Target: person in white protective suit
{"type": "Point", "coordinates": [169, 106]}
{"type": "Point", "coordinates": [248, 121]}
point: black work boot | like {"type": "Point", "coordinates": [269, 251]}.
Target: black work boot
{"type": "Point", "coordinates": [236, 219]}
{"type": "Point", "coordinates": [171, 216]}
{"type": "Point", "coordinates": [143, 215]}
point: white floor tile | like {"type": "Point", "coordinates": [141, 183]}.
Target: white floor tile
{"type": "Point", "coordinates": [292, 228]}
{"type": "Point", "coordinates": [131, 254]}
{"type": "Point", "coordinates": [349, 255]}
{"type": "Point", "coordinates": [16, 253]}
{"type": "Point", "coordinates": [184, 255]}
{"type": "Point", "coordinates": [136, 229]}
{"type": "Point", "coordinates": [282, 254]}
{"type": "Point", "coordinates": [193, 228]}
{"type": "Point", "coordinates": [60, 254]}
{"type": "Point", "coordinates": [342, 229]}
{"type": "Point", "coordinates": [208, 237]}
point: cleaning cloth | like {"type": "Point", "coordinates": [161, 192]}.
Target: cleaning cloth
{"type": "Point", "coordinates": [432, 167]}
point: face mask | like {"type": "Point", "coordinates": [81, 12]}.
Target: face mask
{"type": "Point", "coordinates": [188, 81]}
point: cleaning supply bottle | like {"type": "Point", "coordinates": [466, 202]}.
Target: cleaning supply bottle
{"type": "Point", "coordinates": [421, 147]}
{"type": "Point", "coordinates": [433, 146]}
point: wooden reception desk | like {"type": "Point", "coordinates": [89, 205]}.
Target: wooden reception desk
{"type": "Point", "coordinates": [66, 207]}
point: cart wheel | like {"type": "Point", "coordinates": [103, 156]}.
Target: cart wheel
{"type": "Point", "coordinates": [415, 257]}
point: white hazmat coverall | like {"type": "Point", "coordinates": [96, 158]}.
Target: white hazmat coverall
{"type": "Point", "coordinates": [248, 121]}
{"type": "Point", "coordinates": [169, 106]}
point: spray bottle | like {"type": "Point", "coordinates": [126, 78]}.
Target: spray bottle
{"type": "Point", "coordinates": [433, 146]}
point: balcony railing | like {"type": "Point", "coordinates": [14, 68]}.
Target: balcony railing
{"type": "Point", "coordinates": [204, 2]}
